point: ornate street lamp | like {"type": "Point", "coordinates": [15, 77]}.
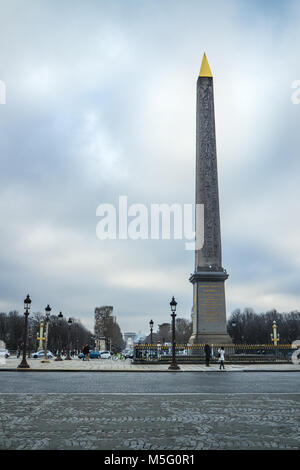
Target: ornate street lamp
{"type": "Point", "coordinates": [59, 324]}
{"type": "Point", "coordinates": [173, 365]}
{"type": "Point", "coordinates": [24, 364]}
{"type": "Point", "coordinates": [275, 334]}
{"type": "Point", "coordinates": [47, 318]}
{"type": "Point", "coordinates": [68, 358]}
{"type": "Point", "coordinates": [151, 323]}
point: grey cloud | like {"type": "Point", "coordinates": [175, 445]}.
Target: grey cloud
{"type": "Point", "coordinates": [132, 67]}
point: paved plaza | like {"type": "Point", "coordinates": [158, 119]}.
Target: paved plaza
{"type": "Point", "coordinates": [150, 411]}
{"type": "Point", "coordinates": [118, 405]}
{"type": "Point", "coordinates": [136, 422]}
{"type": "Point", "coordinates": [127, 365]}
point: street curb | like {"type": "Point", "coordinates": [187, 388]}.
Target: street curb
{"type": "Point", "coordinates": [270, 370]}
{"type": "Point", "coordinates": [145, 371]}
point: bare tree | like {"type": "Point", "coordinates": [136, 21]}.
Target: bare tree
{"type": "Point", "coordinates": [253, 328]}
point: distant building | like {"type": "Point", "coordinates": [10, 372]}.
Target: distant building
{"type": "Point", "coordinates": [102, 314]}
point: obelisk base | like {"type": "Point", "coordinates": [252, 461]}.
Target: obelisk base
{"type": "Point", "coordinates": [211, 339]}
{"type": "Point", "coordinates": [209, 309]}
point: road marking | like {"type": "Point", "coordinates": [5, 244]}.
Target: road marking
{"type": "Point", "coordinates": [149, 393]}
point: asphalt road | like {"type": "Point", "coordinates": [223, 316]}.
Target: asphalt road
{"type": "Point", "coordinates": [151, 383]}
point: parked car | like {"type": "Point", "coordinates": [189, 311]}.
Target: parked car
{"type": "Point", "coordinates": [40, 355]}
{"type": "Point", "coordinates": [93, 354]}
{"type": "Point", "coordinates": [4, 353]}
{"type": "Point", "coordinates": [105, 355]}
{"type": "Point", "coordinates": [128, 353]}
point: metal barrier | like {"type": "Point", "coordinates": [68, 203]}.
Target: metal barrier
{"type": "Point", "coordinates": [194, 353]}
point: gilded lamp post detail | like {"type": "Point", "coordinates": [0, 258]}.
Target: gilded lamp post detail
{"type": "Point", "coordinates": [209, 309]}
{"type": "Point", "coordinates": [275, 334]}
{"type": "Point", "coordinates": [40, 338]}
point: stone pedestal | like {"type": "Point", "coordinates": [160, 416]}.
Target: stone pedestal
{"type": "Point", "coordinates": [101, 343]}
{"type": "Point", "coordinates": [209, 308]}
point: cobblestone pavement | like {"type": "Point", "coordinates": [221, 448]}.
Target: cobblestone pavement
{"type": "Point", "coordinates": [127, 365]}
{"type": "Point", "coordinates": [134, 422]}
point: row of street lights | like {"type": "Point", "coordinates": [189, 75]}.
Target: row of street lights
{"type": "Point", "coordinates": [24, 364]}
{"type": "Point", "coordinates": [27, 304]}
{"type": "Point", "coordinates": [173, 305]}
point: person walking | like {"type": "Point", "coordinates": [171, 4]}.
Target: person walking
{"type": "Point", "coordinates": [86, 351]}
{"type": "Point", "coordinates": [221, 353]}
{"type": "Point", "coordinates": [207, 351]}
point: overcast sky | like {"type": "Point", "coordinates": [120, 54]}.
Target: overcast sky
{"type": "Point", "coordinates": [100, 102]}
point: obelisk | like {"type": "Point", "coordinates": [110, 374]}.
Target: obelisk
{"type": "Point", "coordinates": [209, 309]}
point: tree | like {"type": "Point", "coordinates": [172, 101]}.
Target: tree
{"type": "Point", "coordinates": [252, 328]}
{"type": "Point", "coordinates": [184, 330]}
{"type": "Point", "coordinates": [113, 332]}
{"type": "Point", "coordinates": [60, 331]}
{"type": "Point", "coordinates": [106, 325]}
{"type": "Point", "coordinates": [12, 332]}
{"type": "Point", "coordinates": [164, 333]}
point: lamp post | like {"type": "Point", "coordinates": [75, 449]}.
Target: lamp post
{"type": "Point", "coordinates": [30, 343]}
{"type": "Point", "coordinates": [40, 337]}
{"type": "Point", "coordinates": [233, 324]}
{"type": "Point", "coordinates": [68, 358]}
{"type": "Point", "coordinates": [47, 318]}
{"type": "Point", "coordinates": [174, 365]}
{"type": "Point", "coordinates": [59, 324]}
{"type": "Point", "coordinates": [24, 364]}
{"type": "Point", "coordinates": [275, 334]}
{"type": "Point", "coordinates": [77, 335]}
{"type": "Point", "coordinates": [151, 323]}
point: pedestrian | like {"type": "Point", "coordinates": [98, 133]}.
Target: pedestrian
{"type": "Point", "coordinates": [86, 351]}
{"type": "Point", "coordinates": [158, 349]}
{"type": "Point", "coordinates": [221, 353]}
{"type": "Point", "coordinates": [207, 351]}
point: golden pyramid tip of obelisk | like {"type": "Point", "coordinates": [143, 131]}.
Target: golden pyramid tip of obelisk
{"type": "Point", "coordinates": [205, 68]}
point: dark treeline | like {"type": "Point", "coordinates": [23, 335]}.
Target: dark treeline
{"type": "Point", "coordinates": [183, 332]}
{"type": "Point", "coordinates": [113, 334]}
{"type": "Point", "coordinates": [253, 328]}
{"type": "Point", "coordinates": [12, 332]}
{"type": "Point", "coordinates": [245, 327]}
{"type": "Point", "coordinates": [108, 327]}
